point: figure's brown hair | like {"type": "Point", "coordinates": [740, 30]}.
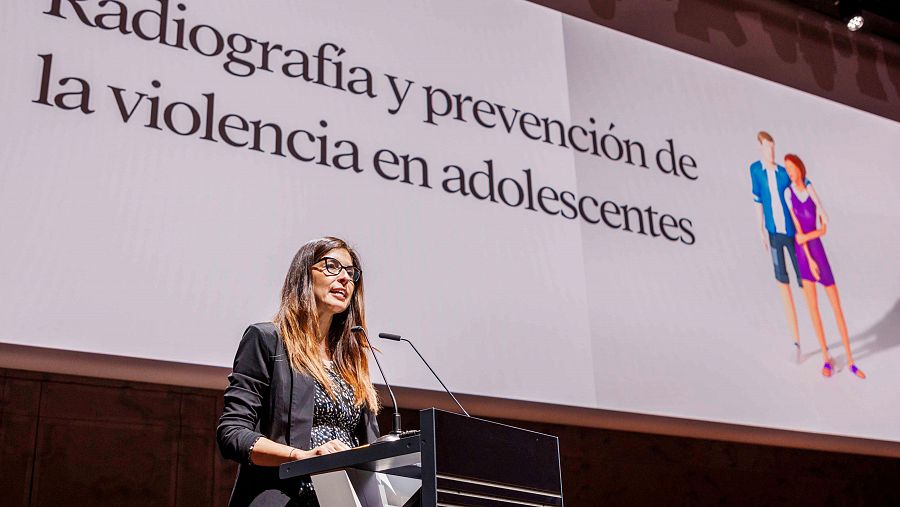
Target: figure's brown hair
{"type": "Point", "coordinates": [763, 135]}
{"type": "Point", "coordinates": [297, 319]}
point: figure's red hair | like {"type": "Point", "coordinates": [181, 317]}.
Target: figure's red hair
{"type": "Point", "coordinates": [794, 159]}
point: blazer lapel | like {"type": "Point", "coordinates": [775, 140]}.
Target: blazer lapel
{"type": "Point", "coordinates": [303, 391]}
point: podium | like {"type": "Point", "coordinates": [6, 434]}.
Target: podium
{"type": "Point", "coordinates": [461, 461]}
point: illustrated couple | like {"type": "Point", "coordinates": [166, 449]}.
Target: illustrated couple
{"type": "Point", "coordinates": [792, 221]}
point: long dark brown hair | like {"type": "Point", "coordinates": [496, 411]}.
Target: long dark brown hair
{"type": "Point", "coordinates": [297, 319]}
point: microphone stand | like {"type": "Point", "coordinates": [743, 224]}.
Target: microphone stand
{"type": "Point", "coordinates": [397, 338]}
{"type": "Point", "coordinates": [395, 430]}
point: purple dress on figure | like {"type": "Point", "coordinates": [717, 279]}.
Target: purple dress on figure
{"type": "Point", "coordinates": [805, 211]}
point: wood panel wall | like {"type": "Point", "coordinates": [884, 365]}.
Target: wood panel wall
{"type": "Point", "coordinates": [79, 441]}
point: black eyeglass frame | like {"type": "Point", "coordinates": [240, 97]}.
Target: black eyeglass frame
{"type": "Point", "coordinates": [352, 271]}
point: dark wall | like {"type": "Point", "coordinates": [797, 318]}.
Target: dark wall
{"type": "Point", "coordinates": [76, 441]}
{"type": "Point", "coordinates": [773, 39]}
{"type": "Point", "coordinates": [81, 441]}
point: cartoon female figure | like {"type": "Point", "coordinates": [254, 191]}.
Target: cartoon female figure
{"type": "Point", "coordinates": [807, 213]}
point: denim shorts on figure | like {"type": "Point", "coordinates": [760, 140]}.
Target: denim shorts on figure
{"type": "Point", "coordinates": [778, 243]}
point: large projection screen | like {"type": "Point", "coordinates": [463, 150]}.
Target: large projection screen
{"type": "Point", "coordinates": [554, 211]}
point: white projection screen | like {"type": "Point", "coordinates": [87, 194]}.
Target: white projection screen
{"type": "Point", "coordinates": [555, 212]}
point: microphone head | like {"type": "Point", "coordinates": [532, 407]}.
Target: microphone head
{"type": "Point", "coordinates": [356, 329]}
{"type": "Point", "coordinates": [390, 336]}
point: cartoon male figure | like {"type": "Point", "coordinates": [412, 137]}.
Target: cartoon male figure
{"type": "Point", "coordinates": [769, 181]}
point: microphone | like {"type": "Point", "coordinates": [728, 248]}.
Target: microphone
{"type": "Point", "coordinates": [397, 338]}
{"type": "Point", "coordinates": [395, 431]}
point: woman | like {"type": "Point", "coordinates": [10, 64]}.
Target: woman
{"type": "Point", "coordinates": [300, 385]}
{"type": "Point", "coordinates": [807, 213]}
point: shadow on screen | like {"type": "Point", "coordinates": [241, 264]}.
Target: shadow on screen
{"type": "Point", "coordinates": [881, 336]}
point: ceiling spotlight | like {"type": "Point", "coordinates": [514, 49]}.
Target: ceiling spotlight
{"type": "Point", "coordinates": [850, 12]}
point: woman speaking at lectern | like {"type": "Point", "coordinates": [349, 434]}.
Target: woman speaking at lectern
{"type": "Point", "coordinates": [300, 385]}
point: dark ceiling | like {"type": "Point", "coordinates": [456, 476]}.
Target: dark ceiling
{"type": "Point", "coordinates": [882, 17]}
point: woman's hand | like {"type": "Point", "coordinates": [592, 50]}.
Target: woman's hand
{"type": "Point", "coordinates": [801, 238]}
{"type": "Point", "coordinates": [271, 454]}
{"type": "Point", "coordinates": [327, 448]}
{"type": "Point", "coordinates": [814, 268]}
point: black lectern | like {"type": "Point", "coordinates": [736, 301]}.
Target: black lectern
{"type": "Point", "coordinates": [460, 460]}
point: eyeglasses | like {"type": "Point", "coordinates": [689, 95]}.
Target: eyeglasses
{"type": "Point", "coordinates": [333, 267]}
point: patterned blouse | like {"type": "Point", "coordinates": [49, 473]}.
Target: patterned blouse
{"type": "Point", "coordinates": [335, 419]}
{"type": "Point", "coordinates": [332, 419]}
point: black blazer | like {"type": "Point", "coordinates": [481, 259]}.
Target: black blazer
{"type": "Point", "coordinates": [266, 397]}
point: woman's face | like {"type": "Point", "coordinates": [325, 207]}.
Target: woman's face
{"type": "Point", "coordinates": [333, 292]}
{"type": "Point", "coordinates": [793, 171]}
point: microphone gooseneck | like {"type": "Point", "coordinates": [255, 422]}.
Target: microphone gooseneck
{"type": "Point", "coordinates": [397, 338]}
{"type": "Point", "coordinates": [395, 430]}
